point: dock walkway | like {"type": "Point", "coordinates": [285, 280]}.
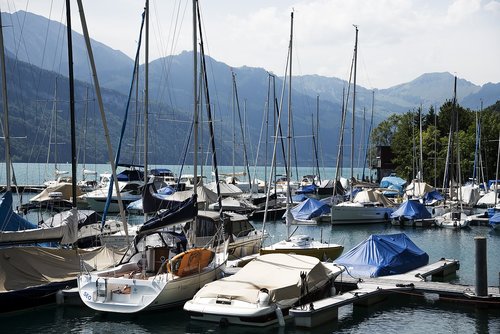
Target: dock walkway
{"type": "Point", "coordinates": [369, 291]}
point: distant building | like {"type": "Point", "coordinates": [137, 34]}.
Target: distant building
{"type": "Point", "coordinates": [383, 162]}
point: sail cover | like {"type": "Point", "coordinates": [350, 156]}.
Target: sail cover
{"type": "Point", "coordinates": [9, 220]}
{"type": "Point", "coordinates": [179, 213]}
{"type": "Point", "coordinates": [383, 255]}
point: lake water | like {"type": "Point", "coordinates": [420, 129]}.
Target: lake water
{"type": "Point", "coordinates": [398, 314]}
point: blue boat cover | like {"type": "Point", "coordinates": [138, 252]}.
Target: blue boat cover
{"type": "Point", "coordinates": [411, 210]}
{"type": "Point", "coordinates": [433, 195]}
{"type": "Point", "coordinates": [299, 198]}
{"type": "Point", "coordinates": [310, 208]}
{"type": "Point", "coordinates": [130, 175]}
{"type": "Point", "coordinates": [383, 255]}
{"type": "Point", "coordinates": [392, 180]}
{"type": "Point", "coordinates": [309, 189]}
{"type": "Point", "coordinates": [495, 219]}
{"type": "Point", "coordinates": [9, 220]}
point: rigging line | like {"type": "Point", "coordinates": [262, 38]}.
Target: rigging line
{"type": "Point", "coordinates": [216, 91]}
{"type": "Point", "coordinates": [366, 72]}
{"type": "Point", "coordinates": [117, 155]}
{"type": "Point", "coordinates": [209, 111]}
{"type": "Point", "coordinates": [166, 62]}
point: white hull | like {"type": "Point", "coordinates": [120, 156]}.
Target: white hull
{"type": "Point", "coordinates": [109, 294]}
{"type": "Point", "coordinates": [235, 313]}
{"type": "Point", "coordinates": [97, 203]}
{"type": "Point", "coordinates": [355, 213]}
{"type": "Point", "coordinates": [262, 292]}
{"type": "Point", "coordinates": [448, 220]}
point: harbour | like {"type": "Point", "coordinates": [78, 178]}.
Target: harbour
{"type": "Point", "coordinates": [134, 246]}
{"type": "Point", "coordinates": [412, 311]}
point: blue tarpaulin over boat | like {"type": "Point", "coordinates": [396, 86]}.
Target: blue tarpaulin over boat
{"type": "Point", "coordinates": [388, 180]}
{"type": "Point", "coordinates": [310, 208]}
{"type": "Point", "coordinates": [309, 189]}
{"type": "Point", "coordinates": [393, 182]}
{"type": "Point", "coordinates": [495, 219]}
{"type": "Point", "coordinates": [433, 196]}
{"type": "Point", "coordinates": [9, 220]}
{"type": "Point", "coordinates": [299, 198]}
{"type": "Point", "coordinates": [382, 255]}
{"type": "Point", "coordinates": [411, 210]}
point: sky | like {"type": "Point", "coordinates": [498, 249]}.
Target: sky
{"type": "Point", "coordinates": [398, 39]}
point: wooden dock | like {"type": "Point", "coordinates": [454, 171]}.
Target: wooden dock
{"type": "Point", "coordinates": [368, 291]}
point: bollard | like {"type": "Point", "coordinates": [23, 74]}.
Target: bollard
{"type": "Point", "coordinates": [481, 267]}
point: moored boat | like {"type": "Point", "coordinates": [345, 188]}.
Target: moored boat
{"type": "Point", "coordinates": [262, 292]}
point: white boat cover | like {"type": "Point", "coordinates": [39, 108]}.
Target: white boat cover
{"type": "Point", "coordinates": [24, 267]}
{"type": "Point", "coordinates": [488, 199]}
{"type": "Point", "coordinates": [225, 189]}
{"type": "Point", "coordinates": [64, 188]}
{"type": "Point", "coordinates": [372, 196]}
{"type": "Point", "coordinates": [418, 189]}
{"type": "Point", "coordinates": [66, 232]}
{"type": "Point", "coordinates": [205, 195]}
{"type": "Point", "coordinates": [279, 273]}
{"type": "Point", "coordinates": [470, 194]}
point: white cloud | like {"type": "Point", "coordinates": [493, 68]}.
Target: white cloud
{"type": "Point", "coordinates": [461, 9]}
{"type": "Point", "coordinates": [493, 6]}
{"type": "Point", "coordinates": [398, 39]}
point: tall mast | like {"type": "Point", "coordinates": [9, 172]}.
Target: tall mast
{"type": "Point", "coordinates": [71, 104]}
{"type": "Point", "coordinates": [5, 110]}
{"type": "Point", "coordinates": [421, 165]}
{"type": "Point", "coordinates": [103, 115]}
{"type": "Point", "coordinates": [354, 101]}
{"type": "Point", "coordinates": [146, 95]}
{"type": "Point", "coordinates": [289, 133]}
{"type": "Point", "coordinates": [195, 98]}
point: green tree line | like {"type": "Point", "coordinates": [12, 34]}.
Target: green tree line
{"type": "Point", "coordinates": [402, 133]}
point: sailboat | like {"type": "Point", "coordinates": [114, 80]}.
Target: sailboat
{"type": "Point", "coordinates": [368, 206]}
{"type": "Point", "coordinates": [158, 271]}
{"type": "Point", "coordinates": [31, 275]}
{"type": "Point", "coordinates": [13, 228]}
{"type": "Point", "coordinates": [298, 244]}
{"type": "Point", "coordinates": [456, 217]}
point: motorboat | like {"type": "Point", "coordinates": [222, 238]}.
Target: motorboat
{"type": "Point", "coordinates": [412, 213]}
{"type": "Point", "coordinates": [263, 291]}
{"type": "Point", "coordinates": [367, 206]}
{"type": "Point", "coordinates": [453, 220]}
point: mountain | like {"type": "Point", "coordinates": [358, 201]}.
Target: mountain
{"type": "Point", "coordinates": [33, 74]}
{"type": "Point", "coordinates": [41, 42]}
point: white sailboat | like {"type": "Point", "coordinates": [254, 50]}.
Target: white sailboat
{"type": "Point", "coordinates": [158, 272]}
{"type": "Point", "coordinates": [456, 217]}
{"type": "Point", "coordinates": [368, 205]}
{"type": "Point", "coordinates": [299, 244]}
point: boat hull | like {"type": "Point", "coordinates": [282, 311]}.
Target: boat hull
{"type": "Point", "coordinates": [133, 294]}
{"type": "Point", "coordinates": [347, 214]}
{"type": "Point", "coordinates": [23, 299]}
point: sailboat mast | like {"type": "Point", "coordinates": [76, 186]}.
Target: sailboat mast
{"type": "Point", "coordinates": [421, 165]}
{"type": "Point", "coordinates": [146, 95]}
{"type": "Point", "coordinates": [103, 115]}
{"type": "Point", "coordinates": [354, 101]}
{"type": "Point", "coordinates": [71, 103]}
{"type": "Point", "coordinates": [289, 132]}
{"type": "Point", "coordinates": [195, 98]}
{"type": "Point", "coordinates": [5, 110]}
